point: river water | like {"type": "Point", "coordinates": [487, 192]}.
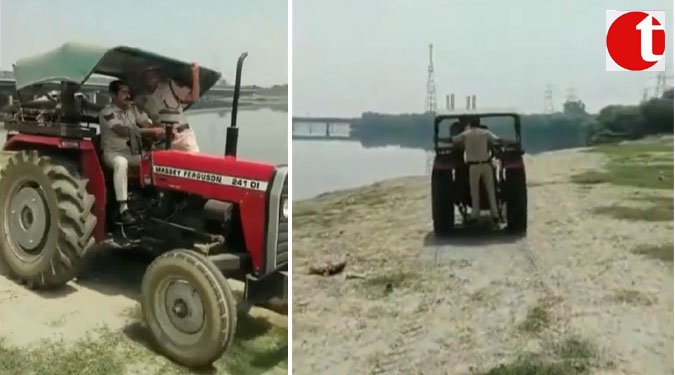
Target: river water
{"type": "Point", "coordinates": [263, 133]}
{"type": "Point", "coordinates": [323, 166]}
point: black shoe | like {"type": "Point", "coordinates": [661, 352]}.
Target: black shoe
{"type": "Point", "coordinates": [126, 218]}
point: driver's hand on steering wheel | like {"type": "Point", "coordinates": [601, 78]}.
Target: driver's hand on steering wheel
{"type": "Point", "coordinates": [157, 133]}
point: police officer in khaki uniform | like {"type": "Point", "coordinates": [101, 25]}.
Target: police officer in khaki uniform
{"type": "Point", "coordinates": [166, 94]}
{"type": "Point", "coordinates": [119, 122]}
{"type": "Point", "coordinates": [477, 142]}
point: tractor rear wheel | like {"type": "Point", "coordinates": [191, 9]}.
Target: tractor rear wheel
{"type": "Point", "coordinates": [442, 202]}
{"type": "Point", "coordinates": [189, 307]}
{"type": "Point", "coordinates": [46, 220]}
{"type": "Point", "coordinates": [516, 201]}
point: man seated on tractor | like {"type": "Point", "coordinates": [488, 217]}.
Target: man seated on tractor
{"type": "Point", "coordinates": [477, 145]}
{"type": "Point", "coordinates": [166, 94]}
{"type": "Point", "coordinates": [120, 132]}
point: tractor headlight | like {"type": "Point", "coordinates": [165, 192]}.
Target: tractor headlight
{"type": "Point", "coordinates": [284, 208]}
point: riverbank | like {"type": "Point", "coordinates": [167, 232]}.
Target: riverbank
{"type": "Point", "coordinates": [588, 291]}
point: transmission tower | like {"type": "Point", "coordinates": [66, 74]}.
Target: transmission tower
{"type": "Point", "coordinates": [571, 95]}
{"type": "Point", "coordinates": [548, 99]}
{"type": "Point", "coordinates": [431, 84]}
{"type": "Point", "coordinates": [661, 84]}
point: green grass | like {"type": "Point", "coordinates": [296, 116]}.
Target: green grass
{"type": "Point", "coordinates": [532, 364]}
{"type": "Point", "coordinates": [635, 175]}
{"type": "Point", "coordinates": [635, 147]}
{"type": "Point", "coordinates": [662, 252]}
{"type": "Point", "coordinates": [572, 356]}
{"type": "Point", "coordinates": [655, 200]}
{"type": "Point", "coordinates": [637, 164]}
{"type": "Point", "coordinates": [651, 213]}
{"type": "Point", "coordinates": [632, 297]}
{"type": "Point", "coordinates": [97, 356]}
{"type": "Point", "coordinates": [536, 320]}
{"type": "Point", "coordinates": [259, 347]}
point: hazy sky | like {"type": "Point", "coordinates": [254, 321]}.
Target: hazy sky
{"type": "Point", "coordinates": [352, 56]}
{"type": "Point", "coordinates": [212, 32]}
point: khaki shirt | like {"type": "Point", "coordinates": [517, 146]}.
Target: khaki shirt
{"type": "Point", "coordinates": [476, 143]}
{"type": "Point", "coordinates": [112, 115]}
{"type": "Point", "coordinates": [163, 98]}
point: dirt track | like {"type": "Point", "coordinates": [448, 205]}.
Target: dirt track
{"type": "Point", "coordinates": [410, 303]}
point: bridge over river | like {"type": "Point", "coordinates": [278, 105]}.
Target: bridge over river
{"type": "Point", "coordinates": [322, 128]}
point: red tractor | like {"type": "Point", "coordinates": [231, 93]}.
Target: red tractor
{"type": "Point", "coordinates": [450, 175]}
{"type": "Point", "coordinates": [208, 218]}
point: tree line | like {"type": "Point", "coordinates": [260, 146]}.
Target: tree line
{"type": "Point", "coordinates": [540, 132]}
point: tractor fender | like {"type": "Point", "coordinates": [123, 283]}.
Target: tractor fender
{"type": "Point", "coordinates": [84, 152]}
{"type": "Point", "coordinates": [513, 164]}
{"type": "Point", "coordinates": [443, 163]}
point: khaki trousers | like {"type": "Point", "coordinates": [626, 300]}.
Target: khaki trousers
{"type": "Point", "coordinates": [476, 173]}
{"type": "Point", "coordinates": [120, 162]}
{"type": "Point", "coordinates": [185, 141]}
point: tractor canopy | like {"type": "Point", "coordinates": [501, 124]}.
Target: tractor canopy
{"type": "Point", "coordinates": [75, 63]}
{"type": "Point", "coordinates": [504, 123]}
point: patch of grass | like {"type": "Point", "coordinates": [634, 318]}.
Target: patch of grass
{"type": "Point", "coordinates": [533, 364]}
{"type": "Point", "coordinates": [12, 360]}
{"type": "Point", "coordinates": [635, 148]}
{"type": "Point", "coordinates": [652, 213]}
{"type": "Point", "coordinates": [575, 349]}
{"type": "Point", "coordinates": [662, 252]}
{"type": "Point", "coordinates": [638, 164]}
{"type": "Point", "coordinates": [655, 200]}
{"type": "Point", "coordinates": [635, 175]}
{"type": "Point", "coordinates": [259, 347]}
{"type": "Point", "coordinates": [571, 357]}
{"type": "Point", "coordinates": [89, 356]}
{"type": "Point", "coordinates": [537, 319]}
{"type": "Point", "coordinates": [387, 283]}
{"type": "Point", "coordinates": [632, 297]}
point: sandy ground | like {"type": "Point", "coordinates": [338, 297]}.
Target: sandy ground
{"type": "Point", "coordinates": [432, 306]}
{"type": "Point", "coordinates": [105, 296]}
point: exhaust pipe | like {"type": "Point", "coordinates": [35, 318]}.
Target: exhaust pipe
{"type": "Point", "coordinates": [233, 132]}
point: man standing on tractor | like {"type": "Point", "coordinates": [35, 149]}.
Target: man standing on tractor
{"type": "Point", "coordinates": [477, 144]}
{"type": "Point", "coordinates": [165, 95]}
{"type": "Point", "coordinates": [120, 134]}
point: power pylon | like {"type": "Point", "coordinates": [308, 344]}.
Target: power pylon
{"type": "Point", "coordinates": [431, 84]}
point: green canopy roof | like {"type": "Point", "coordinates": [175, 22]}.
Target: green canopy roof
{"type": "Point", "coordinates": [75, 62]}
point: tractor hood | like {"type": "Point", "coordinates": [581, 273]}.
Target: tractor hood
{"type": "Point", "coordinates": [76, 62]}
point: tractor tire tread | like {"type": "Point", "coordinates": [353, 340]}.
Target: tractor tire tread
{"type": "Point", "coordinates": [75, 221]}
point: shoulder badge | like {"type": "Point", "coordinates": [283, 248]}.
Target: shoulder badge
{"type": "Point", "coordinates": [109, 116]}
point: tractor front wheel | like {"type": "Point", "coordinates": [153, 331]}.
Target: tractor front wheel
{"type": "Point", "coordinates": [189, 307]}
{"type": "Point", "coordinates": [46, 220]}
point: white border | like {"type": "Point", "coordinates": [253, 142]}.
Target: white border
{"type": "Point", "coordinates": [290, 183]}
